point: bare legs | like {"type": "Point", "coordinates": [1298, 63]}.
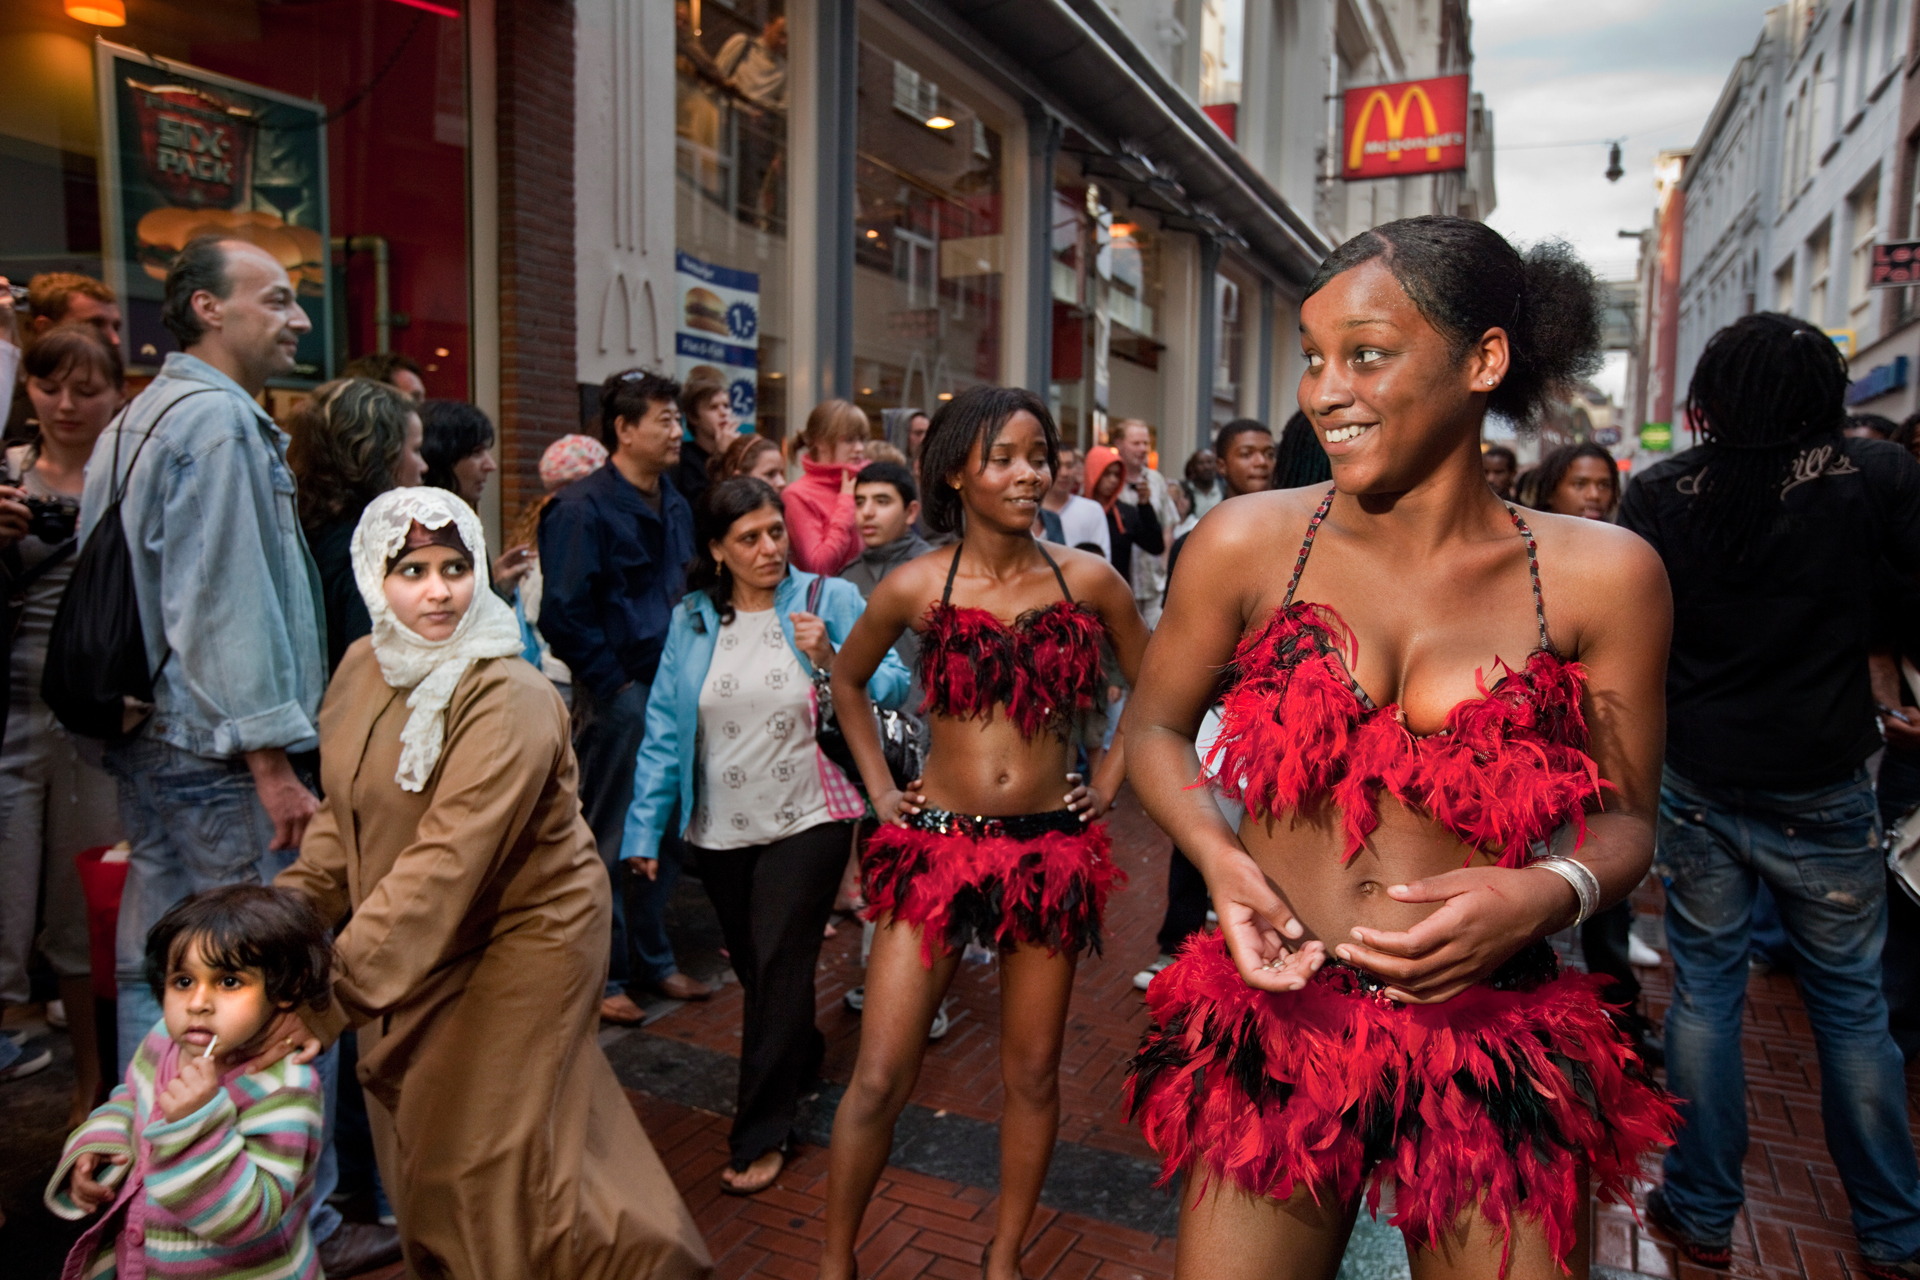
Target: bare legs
{"type": "Point", "coordinates": [1227, 1234]}
{"type": "Point", "coordinates": [1034, 990]}
{"type": "Point", "coordinates": [902, 997]}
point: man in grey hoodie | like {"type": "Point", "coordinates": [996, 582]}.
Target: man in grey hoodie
{"type": "Point", "coordinates": [887, 502]}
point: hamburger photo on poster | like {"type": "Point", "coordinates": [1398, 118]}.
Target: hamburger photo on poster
{"type": "Point", "coordinates": [190, 153]}
{"type": "Point", "coordinates": [718, 329]}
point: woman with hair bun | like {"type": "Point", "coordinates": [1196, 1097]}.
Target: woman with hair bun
{"type": "Point", "coordinates": [985, 847]}
{"type": "Point", "coordinates": [1446, 728]}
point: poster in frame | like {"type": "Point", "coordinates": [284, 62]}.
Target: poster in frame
{"type": "Point", "coordinates": [187, 152]}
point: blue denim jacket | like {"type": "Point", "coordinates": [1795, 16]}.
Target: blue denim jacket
{"type": "Point", "coordinates": [613, 571]}
{"type": "Point", "coordinates": [229, 596]}
{"type": "Point", "coordinates": [668, 765]}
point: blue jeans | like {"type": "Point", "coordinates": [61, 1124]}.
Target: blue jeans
{"type": "Point", "coordinates": [1819, 854]}
{"type": "Point", "coordinates": [607, 746]}
{"type": "Point", "coordinates": [194, 824]}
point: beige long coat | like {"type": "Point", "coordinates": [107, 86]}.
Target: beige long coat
{"type": "Point", "coordinates": [473, 967]}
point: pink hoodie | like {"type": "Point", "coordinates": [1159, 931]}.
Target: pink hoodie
{"type": "Point", "coordinates": [822, 528]}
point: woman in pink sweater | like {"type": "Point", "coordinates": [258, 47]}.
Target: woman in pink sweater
{"type": "Point", "coordinates": [823, 531]}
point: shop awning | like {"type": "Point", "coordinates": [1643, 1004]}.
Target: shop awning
{"type": "Point", "coordinates": [1161, 141]}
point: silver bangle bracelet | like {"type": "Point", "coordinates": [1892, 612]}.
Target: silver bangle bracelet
{"type": "Point", "coordinates": [1586, 886]}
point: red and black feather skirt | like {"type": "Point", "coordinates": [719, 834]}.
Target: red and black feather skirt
{"type": "Point", "coordinates": [1494, 1101]}
{"type": "Point", "coordinates": [1044, 883]}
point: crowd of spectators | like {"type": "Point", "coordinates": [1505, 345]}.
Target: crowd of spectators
{"type": "Point", "coordinates": [677, 550]}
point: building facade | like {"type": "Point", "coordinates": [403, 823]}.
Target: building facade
{"type": "Point", "coordinates": [1804, 164]}
{"type": "Point", "coordinates": [1118, 202]}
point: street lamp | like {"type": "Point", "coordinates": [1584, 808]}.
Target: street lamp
{"type": "Point", "coordinates": [1614, 170]}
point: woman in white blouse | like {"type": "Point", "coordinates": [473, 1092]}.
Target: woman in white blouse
{"type": "Point", "coordinates": [731, 749]}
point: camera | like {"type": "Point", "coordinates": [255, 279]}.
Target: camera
{"type": "Point", "coordinates": [20, 295]}
{"type": "Point", "coordinates": [52, 520]}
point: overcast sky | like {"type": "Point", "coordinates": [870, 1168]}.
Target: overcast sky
{"type": "Point", "coordinates": [1645, 71]}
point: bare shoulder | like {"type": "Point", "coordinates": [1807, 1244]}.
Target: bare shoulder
{"type": "Point", "coordinates": [1602, 574]}
{"type": "Point", "coordinates": [1090, 577]}
{"type": "Point", "coordinates": [908, 589]}
{"type": "Point", "coordinates": [1253, 524]}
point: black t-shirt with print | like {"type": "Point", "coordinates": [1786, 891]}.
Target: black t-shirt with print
{"type": "Point", "coordinates": [1767, 682]}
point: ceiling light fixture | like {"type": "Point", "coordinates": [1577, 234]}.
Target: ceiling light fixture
{"type": "Point", "coordinates": [99, 13]}
{"type": "Point", "coordinates": [939, 122]}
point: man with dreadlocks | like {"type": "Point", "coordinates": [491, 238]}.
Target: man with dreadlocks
{"type": "Point", "coordinates": [1771, 531]}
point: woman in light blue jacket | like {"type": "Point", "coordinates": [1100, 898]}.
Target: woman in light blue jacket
{"type": "Point", "coordinates": [731, 746]}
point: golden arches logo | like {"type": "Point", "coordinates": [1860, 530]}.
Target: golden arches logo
{"type": "Point", "coordinates": [1396, 121]}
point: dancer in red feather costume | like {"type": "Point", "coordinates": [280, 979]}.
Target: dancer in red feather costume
{"type": "Point", "coordinates": [1379, 1017]}
{"type": "Point", "coordinates": [980, 849]}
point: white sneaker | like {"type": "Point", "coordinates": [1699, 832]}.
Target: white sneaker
{"type": "Point", "coordinates": [1144, 979]}
{"type": "Point", "coordinates": [1213, 917]}
{"type": "Point", "coordinates": [855, 999]}
{"type": "Point", "coordinates": [27, 1064]}
{"type": "Point", "coordinates": [57, 1014]}
{"type": "Point", "coordinates": [940, 1022]}
{"type": "Point", "coordinates": [1640, 955]}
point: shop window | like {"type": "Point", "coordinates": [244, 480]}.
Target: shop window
{"type": "Point", "coordinates": [334, 135]}
{"type": "Point", "coordinates": [1819, 260]}
{"type": "Point", "coordinates": [929, 248]}
{"type": "Point", "coordinates": [730, 203]}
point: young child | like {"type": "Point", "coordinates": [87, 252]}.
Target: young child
{"type": "Point", "coordinates": [204, 1169]}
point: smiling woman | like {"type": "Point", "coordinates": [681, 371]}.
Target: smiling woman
{"type": "Point", "coordinates": [1411, 833]}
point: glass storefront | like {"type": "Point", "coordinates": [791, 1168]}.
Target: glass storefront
{"type": "Point", "coordinates": [333, 134]}
{"type": "Point", "coordinates": [730, 193]}
{"type": "Point", "coordinates": [929, 248]}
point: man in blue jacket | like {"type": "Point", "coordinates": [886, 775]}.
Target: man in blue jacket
{"type": "Point", "coordinates": [614, 549]}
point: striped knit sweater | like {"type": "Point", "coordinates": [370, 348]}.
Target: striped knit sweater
{"type": "Point", "coordinates": [222, 1192]}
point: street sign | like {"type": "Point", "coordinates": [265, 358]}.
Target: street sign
{"type": "Point", "coordinates": [1895, 266]}
{"type": "Point", "coordinates": [1416, 126]}
{"type": "Point", "coordinates": [1608, 436]}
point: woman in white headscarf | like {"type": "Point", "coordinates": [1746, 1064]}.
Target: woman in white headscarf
{"type": "Point", "coordinates": [477, 948]}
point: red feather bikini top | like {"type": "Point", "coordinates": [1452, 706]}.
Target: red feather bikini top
{"type": "Point", "coordinates": [1044, 668]}
{"type": "Point", "coordinates": [1509, 768]}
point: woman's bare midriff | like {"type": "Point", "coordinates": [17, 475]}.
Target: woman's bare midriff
{"type": "Point", "coordinates": [1302, 855]}
{"type": "Point", "coordinates": [986, 767]}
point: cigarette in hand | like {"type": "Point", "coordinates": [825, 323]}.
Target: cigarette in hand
{"type": "Point", "coordinates": [210, 1044]}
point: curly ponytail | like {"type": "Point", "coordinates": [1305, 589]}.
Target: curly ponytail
{"type": "Point", "coordinates": [1465, 279]}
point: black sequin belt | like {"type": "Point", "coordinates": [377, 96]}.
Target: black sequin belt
{"type": "Point", "coordinates": [1018, 826]}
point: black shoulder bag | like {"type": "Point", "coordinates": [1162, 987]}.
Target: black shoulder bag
{"type": "Point", "coordinates": [899, 737]}
{"type": "Point", "coordinates": [97, 682]}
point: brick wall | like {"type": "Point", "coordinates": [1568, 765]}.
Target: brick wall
{"type": "Point", "coordinates": [538, 399]}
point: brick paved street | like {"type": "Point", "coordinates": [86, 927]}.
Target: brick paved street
{"type": "Point", "coordinates": [1100, 1218]}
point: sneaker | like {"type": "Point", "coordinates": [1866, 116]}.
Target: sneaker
{"type": "Point", "coordinates": [1144, 979]}
{"type": "Point", "coordinates": [1640, 955]}
{"type": "Point", "coordinates": [57, 1014]}
{"type": "Point", "coordinates": [940, 1022]}
{"type": "Point", "coordinates": [1213, 917]}
{"type": "Point", "coordinates": [1700, 1252]}
{"type": "Point", "coordinates": [855, 999]}
{"type": "Point", "coordinates": [30, 1062]}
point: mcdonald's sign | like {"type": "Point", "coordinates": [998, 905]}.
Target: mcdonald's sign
{"type": "Point", "coordinates": [1416, 126]}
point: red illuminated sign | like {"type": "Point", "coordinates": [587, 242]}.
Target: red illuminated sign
{"type": "Point", "coordinates": [1416, 126]}
{"type": "Point", "coordinates": [1895, 266]}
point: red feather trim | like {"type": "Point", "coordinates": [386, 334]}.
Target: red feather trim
{"type": "Point", "coordinates": [1044, 669]}
{"type": "Point", "coordinates": [1492, 1102]}
{"type": "Point", "coordinates": [1507, 770]}
{"type": "Point", "coordinates": [1049, 892]}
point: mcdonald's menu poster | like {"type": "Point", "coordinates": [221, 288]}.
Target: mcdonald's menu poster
{"type": "Point", "coordinates": [190, 153]}
{"type": "Point", "coordinates": [1417, 126]}
{"type": "Point", "coordinates": [718, 329]}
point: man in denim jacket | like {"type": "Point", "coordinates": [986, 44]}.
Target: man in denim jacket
{"type": "Point", "coordinates": [231, 605]}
